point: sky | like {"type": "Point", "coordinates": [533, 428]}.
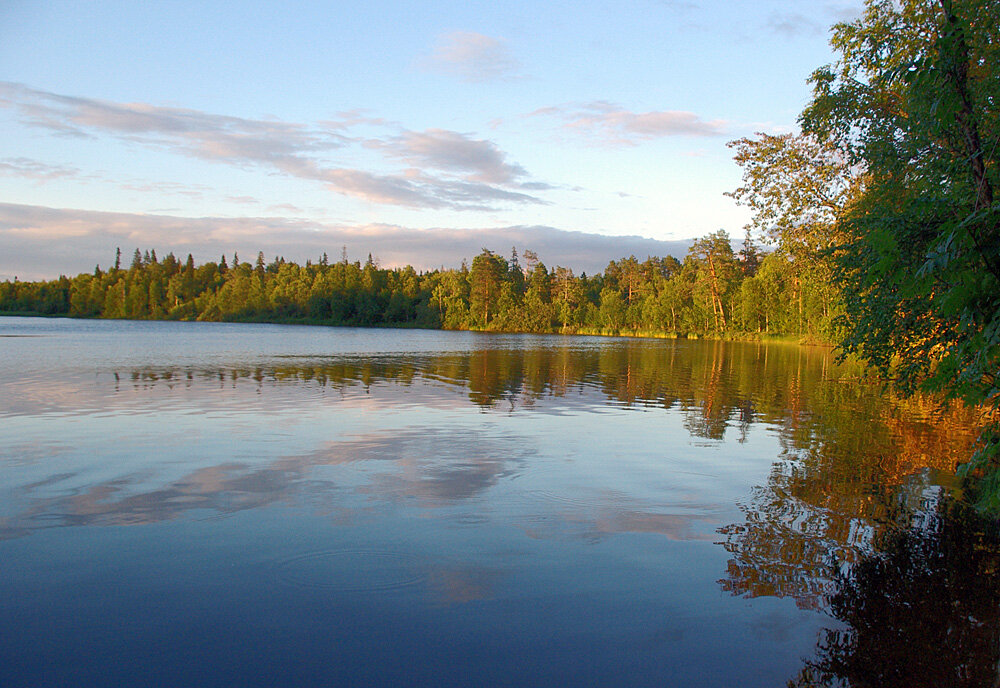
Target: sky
{"type": "Point", "coordinates": [418, 132]}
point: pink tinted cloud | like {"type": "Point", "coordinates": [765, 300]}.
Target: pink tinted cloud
{"type": "Point", "coordinates": [40, 242]}
{"type": "Point", "coordinates": [611, 123]}
{"type": "Point", "coordinates": [473, 57]}
{"type": "Point", "coordinates": [485, 180]}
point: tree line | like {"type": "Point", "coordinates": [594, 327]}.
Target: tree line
{"type": "Point", "coordinates": [714, 291]}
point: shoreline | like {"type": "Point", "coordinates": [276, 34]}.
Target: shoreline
{"type": "Point", "coordinates": [800, 340]}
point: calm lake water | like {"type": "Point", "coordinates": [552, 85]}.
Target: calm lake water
{"type": "Point", "coordinates": [217, 504]}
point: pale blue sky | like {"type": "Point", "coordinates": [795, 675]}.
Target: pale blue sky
{"type": "Point", "coordinates": [289, 127]}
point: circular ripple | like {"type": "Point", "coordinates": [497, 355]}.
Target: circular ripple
{"type": "Point", "coordinates": [581, 500]}
{"type": "Point", "coordinates": [552, 485]}
{"type": "Point", "coordinates": [352, 571]}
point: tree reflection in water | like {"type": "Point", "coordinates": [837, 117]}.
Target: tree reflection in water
{"type": "Point", "coordinates": [836, 488]}
{"type": "Point", "coordinates": [924, 610]}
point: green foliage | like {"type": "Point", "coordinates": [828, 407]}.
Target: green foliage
{"type": "Point", "coordinates": [797, 187]}
{"type": "Point", "coordinates": [885, 204]}
{"type": "Point", "coordinates": [485, 281]}
{"type": "Point", "coordinates": [920, 263]}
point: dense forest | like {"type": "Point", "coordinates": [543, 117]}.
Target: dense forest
{"type": "Point", "coordinates": [713, 292]}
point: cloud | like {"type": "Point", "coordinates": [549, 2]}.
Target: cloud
{"type": "Point", "coordinates": [34, 169]}
{"type": "Point", "coordinates": [455, 152]}
{"type": "Point", "coordinates": [349, 119]}
{"type": "Point", "coordinates": [189, 190]}
{"type": "Point", "coordinates": [473, 57]}
{"type": "Point", "coordinates": [39, 242]}
{"type": "Point", "coordinates": [470, 173]}
{"type": "Point", "coordinates": [285, 208]}
{"type": "Point", "coordinates": [418, 190]}
{"type": "Point", "coordinates": [243, 200]}
{"type": "Point", "coordinates": [792, 25]}
{"type": "Point", "coordinates": [844, 11]}
{"type": "Point", "coordinates": [611, 123]}
{"type": "Point", "coordinates": [198, 134]}
{"type": "Point", "coordinates": [486, 179]}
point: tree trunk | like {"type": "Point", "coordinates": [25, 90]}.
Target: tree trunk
{"type": "Point", "coordinates": [957, 69]}
{"type": "Point", "coordinates": [716, 301]}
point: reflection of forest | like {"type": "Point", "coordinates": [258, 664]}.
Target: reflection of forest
{"type": "Point", "coordinates": [857, 465]}
{"type": "Point", "coordinates": [823, 412]}
{"type": "Point", "coordinates": [922, 611]}
{"type": "Point", "coordinates": [721, 382]}
{"type": "Point", "coordinates": [855, 458]}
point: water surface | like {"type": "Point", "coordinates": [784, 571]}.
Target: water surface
{"type": "Point", "coordinates": [219, 504]}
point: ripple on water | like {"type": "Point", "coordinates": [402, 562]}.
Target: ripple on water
{"type": "Point", "coordinates": [352, 570]}
{"type": "Point", "coordinates": [555, 485]}
{"type": "Point", "coordinates": [468, 519]}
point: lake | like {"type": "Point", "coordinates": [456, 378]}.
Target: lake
{"type": "Point", "coordinates": [226, 504]}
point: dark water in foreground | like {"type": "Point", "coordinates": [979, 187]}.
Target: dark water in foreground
{"type": "Point", "coordinates": [211, 504]}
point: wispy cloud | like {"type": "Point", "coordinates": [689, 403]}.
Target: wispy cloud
{"type": "Point", "coordinates": [454, 152]}
{"type": "Point", "coordinates": [459, 172]}
{"type": "Point", "coordinates": [285, 209]}
{"type": "Point", "coordinates": [473, 57]}
{"type": "Point", "coordinates": [419, 190]}
{"type": "Point", "coordinates": [611, 123]}
{"type": "Point", "coordinates": [170, 188]}
{"type": "Point", "coordinates": [793, 24]}
{"type": "Point", "coordinates": [28, 168]}
{"type": "Point", "coordinates": [199, 134]}
{"type": "Point", "coordinates": [844, 11]}
{"type": "Point", "coordinates": [39, 242]}
{"type": "Point", "coordinates": [816, 21]}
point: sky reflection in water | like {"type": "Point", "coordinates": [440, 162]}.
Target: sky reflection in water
{"type": "Point", "coordinates": [335, 505]}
